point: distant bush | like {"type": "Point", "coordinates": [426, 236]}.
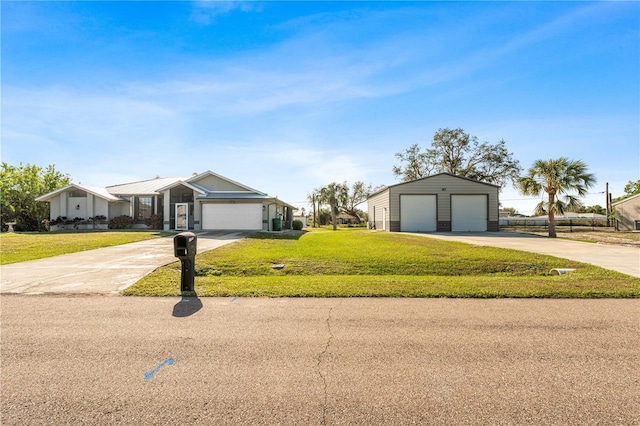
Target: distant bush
{"type": "Point", "coordinates": [121, 222]}
{"type": "Point", "coordinates": [155, 221]}
{"type": "Point", "coordinates": [297, 225]}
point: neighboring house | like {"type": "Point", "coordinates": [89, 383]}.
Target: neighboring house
{"type": "Point", "coordinates": [628, 214]}
{"type": "Point", "coordinates": [206, 201]}
{"type": "Point", "coordinates": [345, 219]}
{"type": "Point", "coordinates": [442, 202]}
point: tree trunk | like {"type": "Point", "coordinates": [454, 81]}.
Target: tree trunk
{"type": "Point", "coordinates": [552, 217]}
{"type": "Point", "coordinates": [332, 204]}
{"type": "Point", "coordinates": [315, 218]}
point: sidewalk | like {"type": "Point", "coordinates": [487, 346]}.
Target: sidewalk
{"type": "Point", "coordinates": [103, 271]}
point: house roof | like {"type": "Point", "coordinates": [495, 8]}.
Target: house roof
{"type": "Point", "coordinates": [430, 177]}
{"type": "Point", "coordinates": [94, 190]}
{"type": "Point", "coordinates": [157, 185]}
{"type": "Point", "coordinates": [633, 197]}
{"type": "Point", "coordinates": [151, 186]}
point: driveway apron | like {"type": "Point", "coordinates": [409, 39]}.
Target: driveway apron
{"type": "Point", "coordinates": [617, 258]}
{"type": "Point", "coordinates": [104, 271]}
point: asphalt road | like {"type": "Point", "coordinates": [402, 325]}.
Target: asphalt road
{"type": "Point", "coordinates": [122, 360]}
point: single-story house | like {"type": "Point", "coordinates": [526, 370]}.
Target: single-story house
{"type": "Point", "coordinates": [438, 203]}
{"type": "Point", "coordinates": [628, 213]}
{"type": "Point", "coordinates": [206, 201]}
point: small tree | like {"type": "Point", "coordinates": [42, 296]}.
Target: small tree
{"type": "Point", "coordinates": [356, 195]}
{"type": "Point", "coordinates": [556, 178]}
{"type": "Point", "coordinates": [314, 197]}
{"type": "Point", "coordinates": [334, 194]}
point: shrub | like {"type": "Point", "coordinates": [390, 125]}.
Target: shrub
{"type": "Point", "coordinates": [297, 225]}
{"type": "Point", "coordinates": [120, 222]}
{"type": "Point", "coordinates": [155, 221]}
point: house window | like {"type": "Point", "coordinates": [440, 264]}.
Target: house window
{"type": "Point", "coordinates": [637, 225]}
{"type": "Point", "coordinates": [144, 207]}
{"type": "Point", "coordinates": [77, 193]}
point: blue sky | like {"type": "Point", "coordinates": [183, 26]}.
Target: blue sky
{"type": "Point", "coordinates": [288, 96]}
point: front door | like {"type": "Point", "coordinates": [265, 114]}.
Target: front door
{"type": "Point", "coordinates": [182, 216]}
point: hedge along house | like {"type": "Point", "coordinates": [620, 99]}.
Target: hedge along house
{"type": "Point", "coordinates": [438, 203]}
{"type": "Point", "coordinates": [206, 201]}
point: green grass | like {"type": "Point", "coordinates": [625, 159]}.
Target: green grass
{"type": "Point", "coordinates": [356, 263]}
{"type": "Point", "coordinates": [22, 247]}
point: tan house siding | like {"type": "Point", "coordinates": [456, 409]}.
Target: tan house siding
{"type": "Point", "coordinates": [443, 186]}
{"type": "Point", "coordinates": [628, 214]}
{"type": "Point", "coordinates": [215, 183]}
{"type": "Point", "coordinates": [376, 209]}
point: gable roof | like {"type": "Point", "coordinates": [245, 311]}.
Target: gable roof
{"type": "Point", "coordinates": [432, 176]}
{"type": "Point", "coordinates": [93, 190]}
{"type": "Point", "coordinates": [190, 183]}
{"type": "Point", "coordinates": [150, 186]}
{"type": "Point", "coordinates": [210, 173]}
{"type": "Point", "coordinates": [633, 197]}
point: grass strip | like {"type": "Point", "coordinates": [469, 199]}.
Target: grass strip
{"type": "Point", "coordinates": [360, 263]}
{"type": "Point", "coordinates": [167, 283]}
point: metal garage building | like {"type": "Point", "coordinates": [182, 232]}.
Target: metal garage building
{"type": "Point", "coordinates": [442, 202]}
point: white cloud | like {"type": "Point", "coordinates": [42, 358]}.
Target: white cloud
{"type": "Point", "coordinates": [206, 11]}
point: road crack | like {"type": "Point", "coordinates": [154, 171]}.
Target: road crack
{"type": "Point", "coordinates": [321, 360]}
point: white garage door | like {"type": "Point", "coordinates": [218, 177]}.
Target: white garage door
{"type": "Point", "coordinates": [232, 216]}
{"type": "Point", "coordinates": [469, 213]}
{"type": "Point", "coordinates": [418, 213]}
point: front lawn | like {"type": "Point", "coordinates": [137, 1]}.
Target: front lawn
{"type": "Point", "coordinates": [356, 262]}
{"type": "Point", "coordinates": [21, 247]}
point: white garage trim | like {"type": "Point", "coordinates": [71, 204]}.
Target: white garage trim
{"type": "Point", "coordinates": [231, 216]}
{"type": "Point", "coordinates": [469, 213]}
{"type": "Point", "coordinates": [418, 213]}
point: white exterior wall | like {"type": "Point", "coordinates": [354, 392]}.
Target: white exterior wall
{"type": "Point", "coordinates": [54, 208]}
{"type": "Point", "coordinates": [166, 210]}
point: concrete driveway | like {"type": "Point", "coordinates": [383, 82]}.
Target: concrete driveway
{"type": "Point", "coordinates": [106, 271]}
{"type": "Point", "coordinates": [617, 258]}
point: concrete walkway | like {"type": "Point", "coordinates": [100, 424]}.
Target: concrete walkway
{"type": "Point", "coordinates": [617, 258]}
{"type": "Point", "coordinates": [104, 271]}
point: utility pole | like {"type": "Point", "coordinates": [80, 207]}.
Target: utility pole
{"type": "Point", "coordinates": [606, 191]}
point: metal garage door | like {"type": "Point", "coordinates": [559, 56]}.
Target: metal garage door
{"type": "Point", "coordinates": [232, 216]}
{"type": "Point", "coordinates": [469, 213]}
{"type": "Point", "coordinates": [418, 213]}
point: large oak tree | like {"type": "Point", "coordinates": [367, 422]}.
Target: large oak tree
{"type": "Point", "coordinates": [455, 151]}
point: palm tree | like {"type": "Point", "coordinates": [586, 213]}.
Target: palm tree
{"type": "Point", "coordinates": [335, 194]}
{"type": "Point", "coordinates": [556, 178]}
{"type": "Point", "coordinates": [312, 197]}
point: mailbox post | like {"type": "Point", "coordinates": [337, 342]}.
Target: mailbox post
{"type": "Point", "coordinates": [184, 246]}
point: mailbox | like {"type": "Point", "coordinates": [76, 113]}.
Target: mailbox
{"type": "Point", "coordinates": [185, 249]}
{"type": "Point", "coordinates": [184, 245]}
